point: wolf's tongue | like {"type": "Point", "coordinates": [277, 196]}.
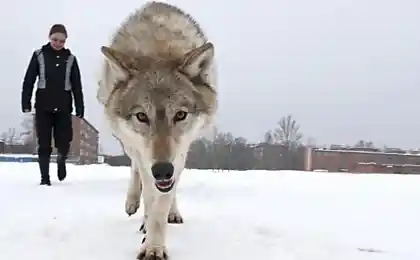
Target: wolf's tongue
{"type": "Point", "coordinates": [164, 183]}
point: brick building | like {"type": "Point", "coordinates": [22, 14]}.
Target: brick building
{"type": "Point", "coordinates": [279, 157]}
{"type": "Point", "coordinates": [85, 144]}
{"type": "Point", "coordinates": [359, 161]}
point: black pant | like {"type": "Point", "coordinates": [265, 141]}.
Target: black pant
{"type": "Point", "coordinates": [53, 124]}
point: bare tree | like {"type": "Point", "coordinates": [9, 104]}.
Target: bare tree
{"type": "Point", "coordinates": [288, 132]}
{"type": "Point", "coordinates": [3, 137]}
{"type": "Point", "coordinates": [27, 124]}
{"type": "Point", "coordinates": [10, 137]}
{"type": "Point", "coordinates": [100, 149]}
{"type": "Point", "coordinates": [364, 144]}
{"type": "Point", "coordinates": [269, 137]}
{"type": "Point", "coordinates": [310, 142]}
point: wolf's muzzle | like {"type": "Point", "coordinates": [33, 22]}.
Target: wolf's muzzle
{"type": "Point", "coordinates": [163, 172]}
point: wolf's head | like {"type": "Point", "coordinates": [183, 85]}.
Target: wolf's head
{"type": "Point", "coordinates": [158, 106]}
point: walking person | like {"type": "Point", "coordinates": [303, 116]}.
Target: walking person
{"type": "Point", "coordinates": [59, 81]}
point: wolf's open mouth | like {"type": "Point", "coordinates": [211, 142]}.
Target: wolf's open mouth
{"type": "Point", "coordinates": [165, 185]}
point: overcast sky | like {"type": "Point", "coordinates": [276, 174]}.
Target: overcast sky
{"type": "Point", "coordinates": [347, 69]}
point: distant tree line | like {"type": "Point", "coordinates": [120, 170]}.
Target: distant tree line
{"type": "Point", "coordinates": [281, 148]}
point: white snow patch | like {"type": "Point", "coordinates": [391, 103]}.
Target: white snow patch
{"type": "Point", "coordinates": [280, 215]}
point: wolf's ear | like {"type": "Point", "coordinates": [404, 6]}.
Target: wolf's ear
{"type": "Point", "coordinates": [121, 62]}
{"type": "Point", "coordinates": [197, 61]}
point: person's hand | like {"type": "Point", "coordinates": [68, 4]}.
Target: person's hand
{"type": "Point", "coordinates": [27, 117]}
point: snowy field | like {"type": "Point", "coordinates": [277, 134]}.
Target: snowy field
{"type": "Point", "coordinates": [230, 215]}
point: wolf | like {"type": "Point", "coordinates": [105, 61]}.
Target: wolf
{"type": "Point", "coordinates": [158, 89]}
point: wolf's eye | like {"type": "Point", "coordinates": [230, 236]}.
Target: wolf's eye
{"type": "Point", "coordinates": [142, 117]}
{"type": "Point", "coordinates": [180, 115]}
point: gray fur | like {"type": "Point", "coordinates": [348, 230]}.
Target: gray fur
{"type": "Point", "coordinates": [160, 31]}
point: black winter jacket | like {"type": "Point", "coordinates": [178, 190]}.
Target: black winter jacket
{"type": "Point", "coordinates": [53, 95]}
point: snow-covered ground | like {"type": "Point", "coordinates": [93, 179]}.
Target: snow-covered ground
{"type": "Point", "coordinates": [228, 215]}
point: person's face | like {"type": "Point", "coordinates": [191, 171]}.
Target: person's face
{"type": "Point", "coordinates": [58, 40]}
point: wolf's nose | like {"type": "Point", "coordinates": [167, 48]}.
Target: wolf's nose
{"type": "Point", "coordinates": [162, 170]}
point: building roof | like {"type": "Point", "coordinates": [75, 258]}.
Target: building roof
{"type": "Point", "coordinates": [367, 152]}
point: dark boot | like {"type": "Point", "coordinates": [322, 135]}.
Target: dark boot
{"type": "Point", "coordinates": [45, 182]}
{"type": "Point", "coordinates": [61, 167]}
{"type": "Point", "coordinates": [44, 167]}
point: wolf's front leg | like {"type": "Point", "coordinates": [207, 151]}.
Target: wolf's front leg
{"type": "Point", "coordinates": [154, 247]}
{"type": "Point", "coordinates": [148, 201]}
{"type": "Point", "coordinates": [174, 216]}
{"type": "Point", "coordinates": [132, 202]}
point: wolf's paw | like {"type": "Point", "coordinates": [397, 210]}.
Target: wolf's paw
{"type": "Point", "coordinates": [132, 204]}
{"type": "Point", "coordinates": [175, 218]}
{"type": "Point", "coordinates": [153, 253]}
